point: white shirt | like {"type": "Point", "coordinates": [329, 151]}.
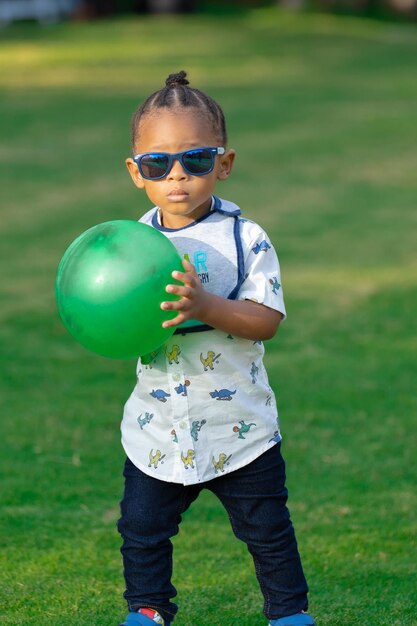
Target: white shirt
{"type": "Point", "coordinates": [203, 406]}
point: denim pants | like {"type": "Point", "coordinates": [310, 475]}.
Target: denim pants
{"type": "Point", "coordinates": [255, 499]}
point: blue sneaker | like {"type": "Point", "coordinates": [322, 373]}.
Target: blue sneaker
{"type": "Point", "coordinates": [144, 617]}
{"type": "Point", "coordinates": [299, 619]}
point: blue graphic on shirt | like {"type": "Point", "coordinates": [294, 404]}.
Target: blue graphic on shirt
{"type": "Point", "coordinates": [142, 421]}
{"type": "Point", "coordinates": [196, 426]}
{"type": "Point", "coordinates": [275, 285]}
{"type": "Point", "coordinates": [160, 394]}
{"type": "Point", "coordinates": [254, 371]}
{"type": "Point", "coordinates": [174, 435]}
{"type": "Point", "coordinates": [276, 437]}
{"type": "Point", "coordinates": [222, 394]}
{"type": "Point", "coordinates": [243, 428]}
{"type": "Point", "coordinates": [182, 388]}
{"type": "Point", "coordinates": [200, 258]}
{"type": "Point", "coordinates": [263, 246]}
{"type": "Point", "coordinates": [200, 261]}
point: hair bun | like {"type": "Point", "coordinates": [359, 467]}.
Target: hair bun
{"type": "Point", "coordinates": [177, 79]}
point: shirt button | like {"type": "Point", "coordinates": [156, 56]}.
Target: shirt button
{"type": "Point", "coordinates": [177, 377]}
{"type": "Point", "coordinates": [183, 424]}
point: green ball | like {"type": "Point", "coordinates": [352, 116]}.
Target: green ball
{"type": "Point", "coordinates": [109, 287]}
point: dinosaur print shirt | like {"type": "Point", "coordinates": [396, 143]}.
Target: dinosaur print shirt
{"type": "Point", "coordinates": [202, 405]}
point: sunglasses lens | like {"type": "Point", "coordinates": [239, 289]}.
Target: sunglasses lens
{"type": "Point", "coordinates": [198, 161]}
{"type": "Point", "coordinates": [154, 165]}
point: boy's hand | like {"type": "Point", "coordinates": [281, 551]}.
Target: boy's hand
{"type": "Point", "coordinates": [242, 318]}
{"type": "Point", "coordinates": [193, 297]}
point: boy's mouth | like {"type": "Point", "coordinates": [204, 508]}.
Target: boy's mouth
{"type": "Point", "coordinates": [177, 195]}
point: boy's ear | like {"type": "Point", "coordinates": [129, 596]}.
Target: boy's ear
{"type": "Point", "coordinates": [134, 173]}
{"type": "Point", "coordinates": [226, 163]}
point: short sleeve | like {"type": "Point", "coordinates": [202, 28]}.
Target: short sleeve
{"type": "Point", "coordinates": [262, 281]}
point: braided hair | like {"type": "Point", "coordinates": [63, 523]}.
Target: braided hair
{"type": "Point", "coordinates": [177, 94]}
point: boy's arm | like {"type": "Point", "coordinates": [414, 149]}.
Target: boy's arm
{"type": "Point", "coordinates": [242, 318]}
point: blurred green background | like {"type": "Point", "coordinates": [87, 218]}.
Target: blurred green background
{"type": "Point", "coordinates": [322, 113]}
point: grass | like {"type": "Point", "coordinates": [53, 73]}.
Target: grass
{"type": "Point", "coordinates": [322, 113]}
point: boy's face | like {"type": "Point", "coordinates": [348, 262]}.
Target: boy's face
{"type": "Point", "coordinates": [182, 197]}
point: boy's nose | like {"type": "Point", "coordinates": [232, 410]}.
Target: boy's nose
{"type": "Point", "coordinates": [177, 171]}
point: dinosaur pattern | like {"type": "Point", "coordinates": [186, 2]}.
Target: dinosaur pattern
{"type": "Point", "coordinates": [143, 421]}
{"type": "Point", "coordinates": [196, 426]}
{"type": "Point", "coordinates": [222, 394]}
{"type": "Point", "coordinates": [243, 429]}
{"type": "Point", "coordinates": [263, 246]}
{"type": "Point", "coordinates": [182, 388]}
{"type": "Point", "coordinates": [209, 360]}
{"type": "Point", "coordinates": [160, 394]}
{"type": "Point", "coordinates": [148, 359]}
{"type": "Point", "coordinates": [276, 437]}
{"type": "Point", "coordinates": [254, 371]}
{"type": "Point", "coordinates": [202, 405]}
{"type": "Point", "coordinates": [221, 462]}
{"type": "Point", "coordinates": [156, 458]}
{"type": "Point", "coordinates": [173, 354]}
{"type": "Point", "coordinates": [275, 284]}
{"type": "Point", "coordinates": [188, 459]}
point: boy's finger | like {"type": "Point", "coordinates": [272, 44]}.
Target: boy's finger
{"type": "Point", "coordinates": [189, 267]}
{"type": "Point", "coordinates": [183, 277]}
{"type": "Point", "coordinates": [179, 290]}
{"type": "Point", "coordinates": [176, 305]}
{"type": "Point", "coordinates": [179, 319]}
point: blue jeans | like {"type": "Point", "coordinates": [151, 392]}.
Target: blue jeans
{"type": "Point", "coordinates": [255, 499]}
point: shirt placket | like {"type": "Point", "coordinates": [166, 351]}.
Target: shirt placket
{"type": "Point", "coordinates": [178, 384]}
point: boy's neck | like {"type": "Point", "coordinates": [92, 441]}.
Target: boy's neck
{"type": "Point", "coordinates": [169, 220]}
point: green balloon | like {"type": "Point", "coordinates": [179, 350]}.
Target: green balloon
{"type": "Point", "coordinates": [109, 287]}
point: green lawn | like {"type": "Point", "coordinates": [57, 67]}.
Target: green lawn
{"type": "Point", "coordinates": [322, 112]}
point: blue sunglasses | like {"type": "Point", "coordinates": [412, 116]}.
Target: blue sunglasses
{"type": "Point", "coordinates": [197, 162]}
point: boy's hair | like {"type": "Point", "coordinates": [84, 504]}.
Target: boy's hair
{"type": "Point", "coordinates": [177, 94]}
